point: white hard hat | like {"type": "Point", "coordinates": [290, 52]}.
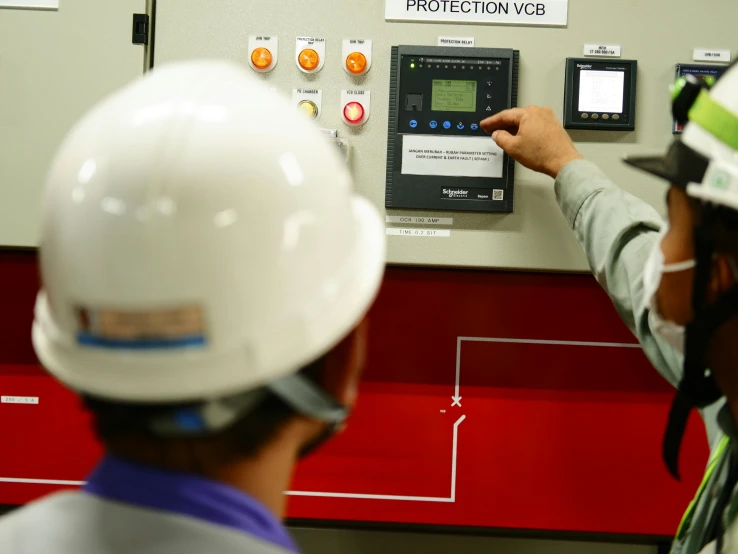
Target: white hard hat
{"type": "Point", "coordinates": [199, 239]}
{"type": "Point", "coordinates": [713, 132]}
{"type": "Point", "coordinates": [705, 160]}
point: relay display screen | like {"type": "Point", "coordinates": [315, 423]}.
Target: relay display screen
{"type": "Point", "coordinates": [601, 91]}
{"type": "Point", "coordinates": [453, 96]}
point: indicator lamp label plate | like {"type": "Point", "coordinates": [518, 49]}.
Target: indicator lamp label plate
{"type": "Point", "coordinates": [363, 97]}
{"type": "Point", "coordinates": [312, 43]}
{"type": "Point", "coordinates": [313, 95]}
{"type": "Point", "coordinates": [364, 46]}
{"type": "Point", "coordinates": [262, 41]}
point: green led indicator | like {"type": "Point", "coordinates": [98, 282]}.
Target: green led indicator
{"type": "Point", "coordinates": [412, 65]}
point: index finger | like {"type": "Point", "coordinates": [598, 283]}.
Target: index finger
{"type": "Point", "coordinates": [503, 120]}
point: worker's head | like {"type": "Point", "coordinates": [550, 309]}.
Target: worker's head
{"type": "Point", "coordinates": [691, 277]}
{"type": "Point", "coordinates": [673, 293]}
{"type": "Point", "coordinates": [206, 267]}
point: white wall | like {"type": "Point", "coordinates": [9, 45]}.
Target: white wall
{"type": "Point", "coordinates": [54, 65]}
{"type": "Point", "coordinates": [658, 33]}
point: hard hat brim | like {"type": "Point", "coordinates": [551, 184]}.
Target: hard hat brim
{"type": "Point", "coordinates": [680, 166]}
{"type": "Point", "coordinates": [654, 165]}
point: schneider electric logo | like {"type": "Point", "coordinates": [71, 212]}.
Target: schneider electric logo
{"type": "Point", "coordinates": [584, 66]}
{"type": "Point", "coordinates": [455, 193]}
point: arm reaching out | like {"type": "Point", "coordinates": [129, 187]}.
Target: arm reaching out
{"type": "Point", "coordinates": [615, 229]}
{"type": "Point", "coordinates": [534, 137]}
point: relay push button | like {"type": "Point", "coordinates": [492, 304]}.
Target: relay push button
{"type": "Point", "coordinates": [353, 112]}
{"type": "Point", "coordinates": [308, 59]}
{"type": "Point", "coordinates": [356, 63]}
{"type": "Point", "coordinates": [261, 58]}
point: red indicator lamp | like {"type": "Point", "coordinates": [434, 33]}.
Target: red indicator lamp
{"type": "Point", "coordinates": [353, 112]}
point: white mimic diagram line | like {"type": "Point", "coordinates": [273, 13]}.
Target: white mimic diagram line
{"type": "Point", "coordinates": [41, 481]}
{"type": "Point", "coordinates": [456, 402]}
{"type": "Point", "coordinates": [453, 458]}
{"type": "Point", "coordinates": [451, 498]}
{"type": "Point", "coordinates": [457, 398]}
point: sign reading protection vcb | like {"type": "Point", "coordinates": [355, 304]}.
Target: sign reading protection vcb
{"type": "Point", "coordinates": [516, 12]}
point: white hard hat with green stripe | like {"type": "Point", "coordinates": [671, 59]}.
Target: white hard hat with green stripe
{"type": "Point", "coordinates": [704, 163]}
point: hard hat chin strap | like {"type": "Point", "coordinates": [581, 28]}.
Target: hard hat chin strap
{"type": "Point", "coordinates": [308, 399]}
{"type": "Point", "coordinates": [697, 388]}
{"type": "Point", "coordinates": [297, 391]}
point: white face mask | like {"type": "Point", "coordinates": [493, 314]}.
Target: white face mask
{"type": "Point", "coordinates": [653, 270]}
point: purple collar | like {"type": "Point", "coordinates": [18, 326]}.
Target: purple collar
{"type": "Point", "coordinates": [186, 494]}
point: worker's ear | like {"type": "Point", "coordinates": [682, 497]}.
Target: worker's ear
{"type": "Point", "coordinates": [723, 276]}
{"type": "Point", "coordinates": [344, 365]}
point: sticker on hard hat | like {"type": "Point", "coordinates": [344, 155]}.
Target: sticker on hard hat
{"type": "Point", "coordinates": [141, 329]}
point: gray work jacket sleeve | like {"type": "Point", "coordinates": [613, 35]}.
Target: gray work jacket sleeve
{"type": "Point", "coordinates": [617, 231]}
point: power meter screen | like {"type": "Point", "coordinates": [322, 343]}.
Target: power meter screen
{"type": "Point", "coordinates": [601, 91]}
{"type": "Point", "coordinates": [454, 96]}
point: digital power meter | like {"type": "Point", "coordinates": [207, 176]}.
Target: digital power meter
{"type": "Point", "coordinates": [600, 95]}
{"type": "Point", "coordinates": [438, 157]}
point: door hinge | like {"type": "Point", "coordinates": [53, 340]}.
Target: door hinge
{"type": "Point", "coordinates": [140, 28]}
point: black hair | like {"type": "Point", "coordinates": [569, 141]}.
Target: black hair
{"type": "Point", "coordinates": [245, 437]}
